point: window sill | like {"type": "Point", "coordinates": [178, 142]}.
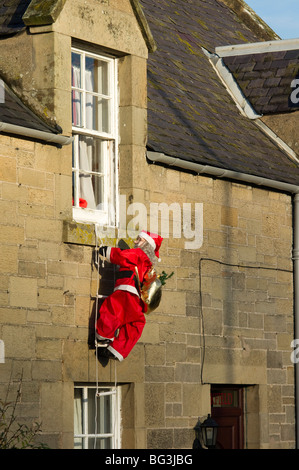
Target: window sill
{"type": "Point", "coordinates": [80, 233]}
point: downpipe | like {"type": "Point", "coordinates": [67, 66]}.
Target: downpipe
{"type": "Point", "coordinates": [36, 134]}
{"type": "Point", "coordinates": [296, 306]}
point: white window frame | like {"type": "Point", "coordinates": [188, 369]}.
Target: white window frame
{"type": "Point", "coordinates": [114, 435]}
{"type": "Point", "coordinates": [108, 214]}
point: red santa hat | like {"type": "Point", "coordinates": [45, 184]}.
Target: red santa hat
{"type": "Point", "coordinates": [153, 239]}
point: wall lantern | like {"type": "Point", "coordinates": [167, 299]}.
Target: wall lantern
{"type": "Point", "coordinates": [206, 433]}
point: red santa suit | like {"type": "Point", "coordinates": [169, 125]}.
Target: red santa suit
{"type": "Point", "coordinates": [124, 310]}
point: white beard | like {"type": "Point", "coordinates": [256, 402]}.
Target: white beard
{"type": "Point", "coordinates": [148, 250]}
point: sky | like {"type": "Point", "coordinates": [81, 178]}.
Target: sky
{"type": "Point", "coordinates": [281, 16]}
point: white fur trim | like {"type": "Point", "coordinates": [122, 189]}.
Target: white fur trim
{"type": "Point", "coordinates": [148, 238]}
{"type": "Point", "coordinates": [127, 288]}
{"type": "Point", "coordinates": [115, 353]}
{"type": "Point", "coordinates": [101, 338]}
{"type": "Point", "coordinates": [108, 253]}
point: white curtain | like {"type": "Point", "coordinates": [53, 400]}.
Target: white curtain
{"type": "Point", "coordinates": [86, 190]}
{"type": "Point", "coordinates": [78, 419]}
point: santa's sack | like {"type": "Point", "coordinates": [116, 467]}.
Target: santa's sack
{"type": "Point", "coordinates": [150, 290]}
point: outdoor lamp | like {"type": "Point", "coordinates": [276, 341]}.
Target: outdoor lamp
{"type": "Point", "coordinates": [209, 430]}
{"type": "Point", "coordinates": [205, 433]}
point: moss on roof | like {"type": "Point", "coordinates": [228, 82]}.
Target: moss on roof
{"type": "Point", "coordinates": [191, 116]}
{"type": "Point", "coordinates": [249, 18]}
{"type": "Point", "coordinates": [41, 12]}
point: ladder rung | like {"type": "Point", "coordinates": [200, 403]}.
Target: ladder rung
{"type": "Point", "coordinates": [102, 394]}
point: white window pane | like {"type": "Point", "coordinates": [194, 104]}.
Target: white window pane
{"type": "Point", "coordinates": [76, 70]}
{"type": "Point", "coordinates": [76, 95]}
{"type": "Point", "coordinates": [77, 108]}
{"type": "Point", "coordinates": [85, 153]}
{"type": "Point", "coordinates": [103, 115]}
{"type": "Point", "coordinates": [104, 407]}
{"type": "Point", "coordinates": [95, 427]}
{"type": "Point", "coordinates": [98, 156]}
{"type": "Point", "coordinates": [97, 111]}
{"type": "Point", "coordinates": [96, 76]}
{"type": "Point", "coordinates": [93, 112]}
{"type": "Point", "coordinates": [103, 82]}
{"type": "Point", "coordinates": [90, 72]}
{"type": "Point", "coordinates": [91, 172]}
{"type": "Point", "coordinates": [86, 193]}
{"type": "Point", "coordinates": [98, 186]}
{"type": "Point", "coordinates": [78, 411]}
{"type": "Point", "coordinates": [99, 414]}
{"type": "Point", "coordinates": [86, 190]}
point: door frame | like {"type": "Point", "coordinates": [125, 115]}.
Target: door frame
{"type": "Point", "coordinates": [227, 412]}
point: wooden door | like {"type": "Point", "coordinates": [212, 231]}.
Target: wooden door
{"type": "Point", "coordinates": [227, 411]}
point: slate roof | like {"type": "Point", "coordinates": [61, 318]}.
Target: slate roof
{"type": "Point", "coordinates": [191, 116]}
{"type": "Point", "coordinates": [11, 12]}
{"type": "Point", "coordinates": [265, 79]}
{"type": "Point", "coordinates": [13, 111]}
{"type": "Point", "coordinates": [16, 14]}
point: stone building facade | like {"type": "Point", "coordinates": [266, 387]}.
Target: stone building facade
{"type": "Point", "coordinates": [226, 318]}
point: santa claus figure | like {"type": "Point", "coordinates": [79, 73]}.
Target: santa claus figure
{"type": "Point", "coordinates": [121, 316]}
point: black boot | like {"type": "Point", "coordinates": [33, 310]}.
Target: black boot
{"type": "Point", "coordinates": [104, 352]}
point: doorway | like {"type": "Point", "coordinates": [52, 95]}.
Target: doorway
{"type": "Point", "coordinates": [227, 409]}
